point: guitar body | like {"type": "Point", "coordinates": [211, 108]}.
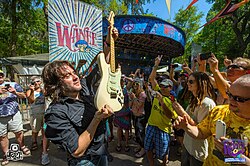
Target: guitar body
{"type": "Point", "coordinates": [109, 91]}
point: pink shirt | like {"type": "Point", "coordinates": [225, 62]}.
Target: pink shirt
{"type": "Point", "coordinates": [138, 104]}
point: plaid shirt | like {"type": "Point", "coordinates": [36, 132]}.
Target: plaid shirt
{"type": "Point", "coordinates": [8, 101]}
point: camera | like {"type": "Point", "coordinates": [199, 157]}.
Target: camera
{"type": "Point", "coordinates": [7, 86]}
{"type": "Point", "coordinates": [32, 83]}
{"type": "Point", "coordinates": [153, 93]}
{"type": "Point", "coordinates": [205, 56]}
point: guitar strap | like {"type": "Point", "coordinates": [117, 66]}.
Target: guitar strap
{"type": "Point", "coordinates": [91, 64]}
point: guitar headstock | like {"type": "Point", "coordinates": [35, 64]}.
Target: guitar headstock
{"type": "Point", "coordinates": [111, 18]}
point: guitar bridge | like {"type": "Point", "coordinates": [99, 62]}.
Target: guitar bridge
{"type": "Point", "coordinates": [113, 95]}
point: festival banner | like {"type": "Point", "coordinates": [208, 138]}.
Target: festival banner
{"type": "Point", "coordinates": [75, 31]}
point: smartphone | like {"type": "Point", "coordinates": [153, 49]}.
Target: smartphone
{"type": "Point", "coordinates": [7, 86]}
{"type": "Point", "coordinates": [175, 65]}
{"type": "Point", "coordinates": [220, 129]}
{"type": "Point", "coordinates": [205, 56]}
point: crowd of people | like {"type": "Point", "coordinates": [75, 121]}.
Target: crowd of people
{"type": "Point", "coordinates": [188, 103]}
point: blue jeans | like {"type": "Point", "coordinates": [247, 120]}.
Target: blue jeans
{"type": "Point", "coordinates": [101, 160]}
{"type": "Point", "coordinates": [188, 160]}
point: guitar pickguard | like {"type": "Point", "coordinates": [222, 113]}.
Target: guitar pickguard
{"type": "Point", "coordinates": [113, 84]}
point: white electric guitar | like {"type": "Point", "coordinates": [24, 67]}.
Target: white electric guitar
{"type": "Point", "coordinates": [109, 91]}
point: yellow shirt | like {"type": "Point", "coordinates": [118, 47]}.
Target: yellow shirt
{"type": "Point", "coordinates": [237, 128]}
{"type": "Point", "coordinates": [157, 117]}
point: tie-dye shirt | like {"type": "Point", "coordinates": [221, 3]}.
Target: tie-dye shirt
{"type": "Point", "coordinates": [236, 128]}
{"type": "Point", "coordinates": [8, 101]}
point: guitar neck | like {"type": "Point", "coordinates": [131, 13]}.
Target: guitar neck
{"type": "Point", "coordinates": [112, 52]}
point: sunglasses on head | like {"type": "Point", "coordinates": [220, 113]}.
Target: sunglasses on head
{"type": "Point", "coordinates": [237, 98]}
{"type": "Point", "coordinates": [190, 81]}
{"type": "Point", "coordinates": [234, 66]}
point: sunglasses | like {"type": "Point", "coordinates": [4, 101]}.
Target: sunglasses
{"type": "Point", "coordinates": [190, 81]}
{"type": "Point", "coordinates": [234, 66]}
{"type": "Point", "coordinates": [164, 86]}
{"type": "Point", "coordinates": [1, 75]}
{"type": "Point", "coordinates": [136, 83]}
{"type": "Point", "coordinates": [237, 98]}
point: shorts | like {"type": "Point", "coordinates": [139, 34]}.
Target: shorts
{"type": "Point", "coordinates": [11, 123]}
{"type": "Point", "coordinates": [158, 139]}
{"type": "Point", "coordinates": [100, 160]}
{"type": "Point", "coordinates": [36, 122]}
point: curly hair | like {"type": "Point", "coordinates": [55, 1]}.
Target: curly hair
{"type": "Point", "coordinates": [204, 89]}
{"type": "Point", "coordinates": [51, 75]}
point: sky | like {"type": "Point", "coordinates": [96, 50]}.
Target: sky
{"type": "Point", "coordinates": [159, 8]}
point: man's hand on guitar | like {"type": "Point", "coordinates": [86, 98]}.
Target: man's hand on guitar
{"type": "Point", "coordinates": [105, 112]}
{"type": "Point", "coordinates": [114, 34]}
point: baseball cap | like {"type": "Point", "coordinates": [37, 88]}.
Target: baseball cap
{"type": "Point", "coordinates": [166, 82]}
{"type": "Point", "coordinates": [137, 80]}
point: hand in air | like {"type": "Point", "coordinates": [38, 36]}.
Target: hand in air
{"type": "Point", "coordinates": [227, 62]}
{"type": "Point", "coordinates": [213, 63]}
{"type": "Point", "coordinates": [114, 34]}
{"type": "Point", "coordinates": [158, 60]}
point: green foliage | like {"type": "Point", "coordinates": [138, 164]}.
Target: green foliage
{"type": "Point", "coordinates": [136, 9]}
{"type": "Point", "coordinates": [229, 35]}
{"type": "Point", "coordinates": [23, 28]}
{"type": "Point", "coordinates": [189, 22]}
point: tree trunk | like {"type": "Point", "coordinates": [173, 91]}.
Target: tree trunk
{"type": "Point", "coordinates": [13, 28]}
{"type": "Point", "coordinates": [239, 27]}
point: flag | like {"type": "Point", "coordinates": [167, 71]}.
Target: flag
{"type": "Point", "coordinates": [191, 4]}
{"type": "Point", "coordinates": [168, 2]}
{"type": "Point", "coordinates": [227, 10]}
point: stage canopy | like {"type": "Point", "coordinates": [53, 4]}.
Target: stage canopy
{"type": "Point", "coordinates": [148, 34]}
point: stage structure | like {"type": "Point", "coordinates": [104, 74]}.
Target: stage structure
{"type": "Point", "coordinates": [142, 38]}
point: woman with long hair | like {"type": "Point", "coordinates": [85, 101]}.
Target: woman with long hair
{"type": "Point", "coordinates": [201, 102]}
{"type": "Point", "coordinates": [136, 103]}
